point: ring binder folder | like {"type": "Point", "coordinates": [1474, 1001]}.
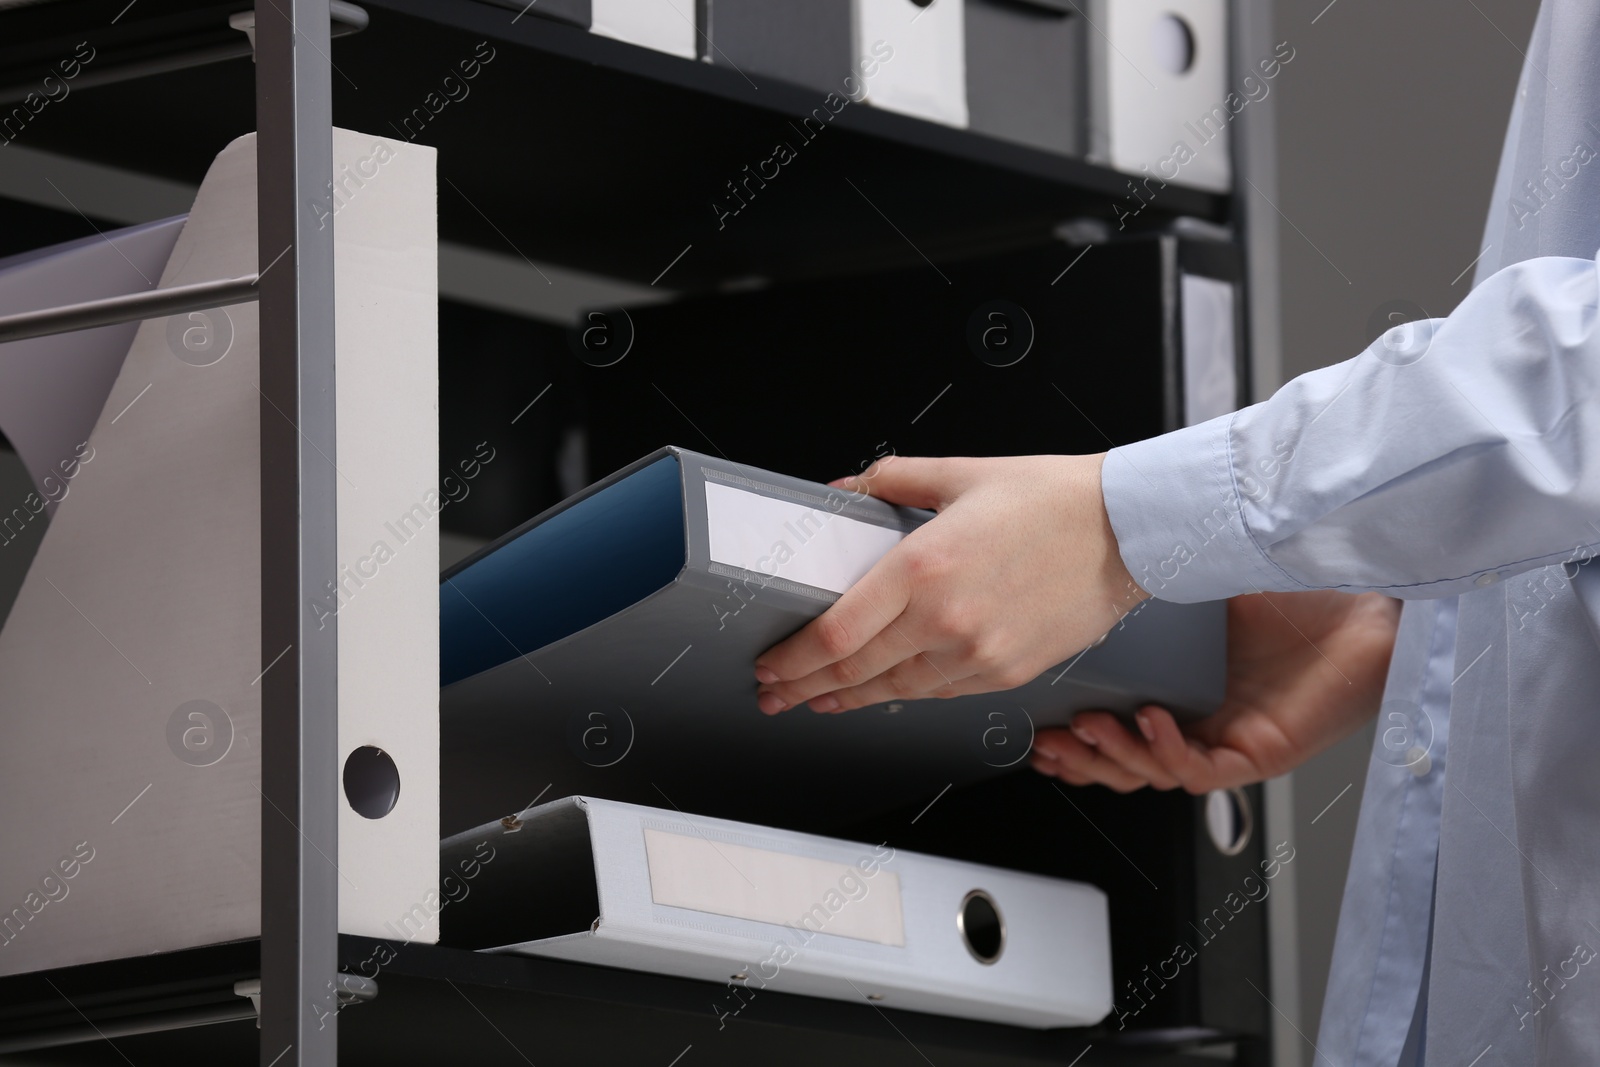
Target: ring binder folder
{"type": "Point", "coordinates": [644, 601]}
{"type": "Point", "coordinates": [757, 909]}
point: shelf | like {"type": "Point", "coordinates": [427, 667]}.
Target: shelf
{"type": "Point", "coordinates": [441, 1005]}
{"type": "Point", "coordinates": [576, 150]}
{"type": "Point", "coordinates": [572, 148]}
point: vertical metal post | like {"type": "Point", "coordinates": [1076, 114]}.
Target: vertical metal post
{"type": "Point", "coordinates": [1255, 190]}
{"type": "Point", "coordinates": [299, 698]}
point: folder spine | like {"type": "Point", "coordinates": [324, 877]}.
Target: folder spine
{"type": "Point", "coordinates": [1053, 968]}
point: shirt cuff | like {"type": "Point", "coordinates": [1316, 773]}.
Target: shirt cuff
{"type": "Point", "coordinates": [1175, 508]}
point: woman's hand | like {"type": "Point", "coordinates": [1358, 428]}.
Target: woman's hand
{"type": "Point", "coordinates": [1304, 671]}
{"type": "Point", "coordinates": [1018, 572]}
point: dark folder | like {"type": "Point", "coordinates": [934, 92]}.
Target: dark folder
{"type": "Point", "coordinates": [607, 646]}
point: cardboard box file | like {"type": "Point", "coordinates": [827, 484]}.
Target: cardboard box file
{"type": "Point", "coordinates": [1027, 72]}
{"type": "Point", "coordinates": [1122, 82]}
{"type": "Point", "coordinates": [664, 25]}
{"type": "Point", "coordinates": [52, 388]}
{"type": "Point", "coordinates": [572, 12]}
{"type": "Point", "coordinates": [129, 664]}
{"type": "Point", "coordinates": [760, 909]}
{"type": "Point", "coordinates": [1145, 100]}
{"type": "Point", "coordinates": [893, 54]}
{"type": "Point", "coordinates": [803, 42]}
{"type": "Point", "coordinates": [608, 645]}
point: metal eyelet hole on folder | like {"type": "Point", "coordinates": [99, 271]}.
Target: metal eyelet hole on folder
{"type": "Point", "coordinates": [1172, 42]}
{"type": "Point", "coordinates": [983, 931]}
{"type": "Point", "coordinates": [371, 782]}
{"type": "Point", "coordinates": [1229, 820]}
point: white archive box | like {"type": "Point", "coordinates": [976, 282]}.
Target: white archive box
{"type": "Point", "coordinates": [664, 25]}
{"type": "Point", "coordinates": [926, 74]}
{"type": "Point", "coordinates": [129, 704]}
{"type": "Point", "coordinates": [900, 55]}
{"type": "Point", "coordinates": [624, 885]}
{"type": "Point", "coordinates": [53, 387]}
{"type": "Point", "coordinates": [1158, 97]}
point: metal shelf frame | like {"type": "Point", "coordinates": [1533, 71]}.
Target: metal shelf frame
{"type": "Point", "coordinates": [300, 941]}
{"type": "Point", "coordinates": [300, 979]}
{"type": "Point", "coordinates": [300, 697]}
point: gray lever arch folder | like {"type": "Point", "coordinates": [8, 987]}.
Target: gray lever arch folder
{"type": "Point", "coordinates": [762, 910]}
{"type": "Point", "coordinates": [608, 646]}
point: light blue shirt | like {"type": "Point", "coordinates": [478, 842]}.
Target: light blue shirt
{"type": "Point", "coordinates": [1454, 464]}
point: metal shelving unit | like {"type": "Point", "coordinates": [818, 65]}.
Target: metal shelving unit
{"type": "Point", "coordinates": [621, 214]}
{"type": "Point", "coordinates": [300, 701]}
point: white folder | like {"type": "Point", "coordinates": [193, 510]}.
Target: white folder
{"type": "Point", "coordinates": [53, 387]}
{"type": "Point", "coordinates": [758, 909]}
{"type": "Point", "coordinates": [664, 25]}
{"type": "Point", "coordinates": [926, 74]}
{"type": "Point", "coordinates": [1145, 102]}
{"type": "Point", "coordinates": [130, 707]}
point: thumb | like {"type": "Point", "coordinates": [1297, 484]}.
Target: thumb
{"type": "Point", "coordinates": [912, 481]}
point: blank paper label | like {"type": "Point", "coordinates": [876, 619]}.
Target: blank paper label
{"type": "Point", "coordinates": [1210, 383]}
{"type": "Point", "coordinates": [811, 545]}
{"type": "Point", "coordinates": [740, 882]}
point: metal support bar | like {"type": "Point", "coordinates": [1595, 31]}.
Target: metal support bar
{"type": "Point", "coordinates": [152, 304]}
{"type": "Point", "coordinates": [182, 59]}
{"type": "Point", "coordinates": [152, 1023]}
{"type": "Point", "coordinates": [350, 989]}
{"type": "Point", "coordinates": [299, 698]}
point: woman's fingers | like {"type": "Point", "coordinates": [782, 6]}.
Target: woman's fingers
{"type": "Point", "coordinates": [870, 606]}
{"type": "Point", "coordinates": [1054, 769]}
{"type": "Point", "coordinates": [1098, 748]}
{"type": "Point", "coordinates": [1101, 729]}
{"type": "Point", "coordinates": [1198, 767]}
{"type": "Point", "coordinates": [916, 675]}
{"type": "Point", "coordinates": [1001, 584]}
{"type": "Point", "coordinates": [888, 657]}
{"type": "Point", "coordinates": [1068, 758]}
{"type": "Point", "coordinates": [866, 610]}
{"type": "Point", "coordinates": [912, 481]}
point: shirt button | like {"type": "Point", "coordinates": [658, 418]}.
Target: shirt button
{"type": "Point", "coordinates": [1487, 579]}
{"type": "Point", "coordinates": [1419, 761]}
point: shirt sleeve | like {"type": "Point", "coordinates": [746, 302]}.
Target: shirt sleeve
{"type": "Point", "coordinates": [1450, 454]}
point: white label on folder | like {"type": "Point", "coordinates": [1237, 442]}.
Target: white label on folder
{"type": "Point", "coordinates": [1210, 384]}
{"type": "Point", "coordinates": [859, 900]}
{"type": "Point", "coordinates": [814, 546]}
